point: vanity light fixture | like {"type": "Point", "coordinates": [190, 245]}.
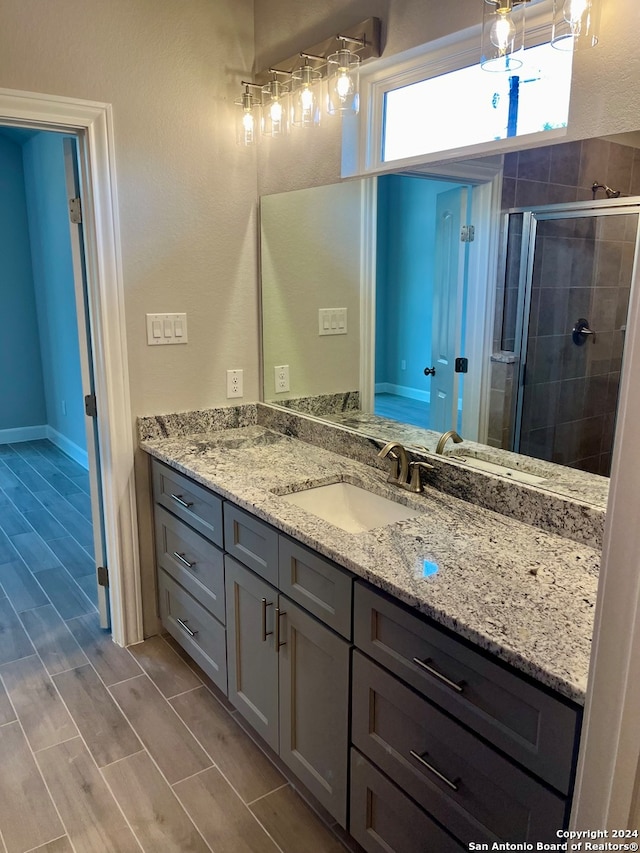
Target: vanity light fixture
{"type": "Point", "coordinates": [248, 116]}
{"type": "Point", "coordinates": [275, 106]}
{"type": "Point", "coordinates": [502, 34]}
{"type": "Point", "coordinates": [340, 67]}
{"type": "Point", "coordinates": [305, 94]}
{"type": "Point", "coordinates": [575, 24]}
{"type": "Point", "coordinates": [343, 78]}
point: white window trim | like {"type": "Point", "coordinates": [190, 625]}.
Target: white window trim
{"type": "Point", "coordinates": [362, 134]}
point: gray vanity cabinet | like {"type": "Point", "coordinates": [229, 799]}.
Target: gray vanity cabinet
{"type": "Point", "coordinates": [188, 536]}
{"type": "Point", "coordinates": [289, 678]}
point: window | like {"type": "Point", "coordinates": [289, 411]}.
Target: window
{"type": "Point", "coordinates": [470, 106]}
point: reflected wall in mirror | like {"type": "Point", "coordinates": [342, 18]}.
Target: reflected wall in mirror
{"type": "Point", "coordinates": [524, 304]}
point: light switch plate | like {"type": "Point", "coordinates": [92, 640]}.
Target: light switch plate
{"type": "Point", "coordinates": [166, 329]}
{"type": "Point", "coordinates": [332, 321]}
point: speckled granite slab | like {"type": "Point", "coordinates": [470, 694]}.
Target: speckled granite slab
{"type": "Point", "coordinates": [324, 404]}
{"type": "Point", "coordinates": [187, 423]}
{"type": "Point", "coordinates": [572, 513]}
{"type": "Point", "coordinates": [520, 593]}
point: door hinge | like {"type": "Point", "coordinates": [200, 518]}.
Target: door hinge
{"type": "Point", "coordinates": [75, 211]}
{"type": "Point", "coordinates": [467, 234]}
{"type": "Point", "coordinates": [91, 405]}
{"type": "Point", "coordinates": [103, 575]}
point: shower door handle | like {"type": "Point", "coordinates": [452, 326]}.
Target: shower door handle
{"type": "Point", "coordinates": [429, 371]}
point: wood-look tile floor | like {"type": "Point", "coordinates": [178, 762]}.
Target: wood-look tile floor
{"type": "Point", "coordinates": [103, 748]}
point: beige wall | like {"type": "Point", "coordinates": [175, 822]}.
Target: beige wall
{"type": "Point", "coordinates": [310, 249]}
{"type": "Point", "coordinates": [186, 192]}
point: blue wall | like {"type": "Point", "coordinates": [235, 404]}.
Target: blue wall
{"type": "Point", "coordinates": [22, 400]}
{"type": "Point", "coordinates": [404, 278]}
{"type": "Point", "coordinates": [48, 216]}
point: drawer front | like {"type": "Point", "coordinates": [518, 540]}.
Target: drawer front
{"type": "Point", "coordinates": [527, 723]}
{"type": "Point", "coordinates": [252, 542]}
{"type": "Point", "coordinates": [202, 636]}
{"type": "Point", "coordinates": [384, 820]}
{"type": "Point", "coordinates": [190, 501]}
{"type": "Point", "coordinates": [316, 584]}
{"type": "Point", "coordinates": [464, 784]}
{"type": "Point", "coordinates": [191, 560]}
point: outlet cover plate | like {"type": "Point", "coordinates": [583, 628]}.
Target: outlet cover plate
{"type": "Point", "coordinates": [281, 378]}
{"type": "Point", "coordinates": [234, 383]}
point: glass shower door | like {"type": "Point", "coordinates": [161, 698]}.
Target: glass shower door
{"type": "Point", "coordinates": [580, 266]}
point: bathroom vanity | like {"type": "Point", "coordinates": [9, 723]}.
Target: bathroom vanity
{"type": "Point", "coordinates": [423, 680]}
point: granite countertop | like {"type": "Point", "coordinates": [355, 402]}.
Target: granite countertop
{"type": "Point", "coordinates": [524, 595]}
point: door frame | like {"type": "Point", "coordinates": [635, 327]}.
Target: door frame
{"type": "Point", "coordinates": [92, 124]}
{"type": "Point", "coordinates": [485, 179]}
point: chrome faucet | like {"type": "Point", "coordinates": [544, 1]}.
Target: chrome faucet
{"type": "Point", "coordinates": [444, 438]}
{"type": "Point", "coordinates": [401, 469]}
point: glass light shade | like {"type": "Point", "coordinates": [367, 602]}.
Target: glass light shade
{"type": "Point", "coordinates": [575, 24]}
{"type": "Point", "coordinates": [306, 98]}
{"type": "Point", "coordinates": [343, 82]}
{"type": "Point", "coordinates": [275, 109]}
{"type": "Point", "coordinates": [502, 35]}
{"type": "Point", "coordinates": [247, 120]}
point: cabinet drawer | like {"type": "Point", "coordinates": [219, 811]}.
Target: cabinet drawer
{"type": "Point", "coordinates": [384, 820]}
{"type": "Point", "coordinates": [202, 636]}
{"type": "Point", "coordinates": [191, 560]}
{"type": "Point", "coordinates": [316, 584]}
{"type": "Point", "coordinates": [464, 784]}
{"type": "Point", "coordinates": [190, 501]}
{"type": "Point", "coordinates": [524, 721]}
{"type": "Point", "coordinates": [252, 542]}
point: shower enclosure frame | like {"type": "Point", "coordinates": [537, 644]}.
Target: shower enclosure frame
{"type": "Point", "coordinates": [530, 217]}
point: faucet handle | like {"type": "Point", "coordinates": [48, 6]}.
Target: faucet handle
{"type": "Point", "coordinates": [415, 484]}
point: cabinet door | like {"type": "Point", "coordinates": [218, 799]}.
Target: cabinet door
{"type": "Point", "coordinates": [251, 654]}
{"type": "Point", "coordinates": [314, 706]}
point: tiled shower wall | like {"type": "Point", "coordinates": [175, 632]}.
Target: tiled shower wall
{"type": "Point", "coordinates": [550, 175]}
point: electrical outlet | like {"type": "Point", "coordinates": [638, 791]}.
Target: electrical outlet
{"type": "Point", "coordinates": [234, 383]}
{"type": "Point", "coordinates": [281, 378]}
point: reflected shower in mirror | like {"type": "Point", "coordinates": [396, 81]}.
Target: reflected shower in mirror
{"type": "Point", "coordinates": [362, 363]}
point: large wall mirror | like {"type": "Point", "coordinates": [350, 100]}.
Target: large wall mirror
{"type": "Point", "coordinates": [411, 304]}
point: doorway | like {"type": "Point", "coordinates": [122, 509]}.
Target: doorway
{"type": "Point", "coordinates": [577, 269]}
{"type": "Point", "coordinates": [92, 125]}
{"type": "Point", "coordinates": [49, 339]}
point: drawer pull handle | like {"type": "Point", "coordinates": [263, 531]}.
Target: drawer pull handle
{"type": "Point", "coordinates": [265, 633]}
{"type": "Point", "coordinates": [183, 560]}
{"type": "Point", "coordinates": [459, 687]}
{"type": "Point", "coordinates": [186, 627]}
{"type": "Point", "coordinates": [279, 613]}
{"type": "Point", "coordinates": [453, 785]}
{"type": "Point", "coordinates": [178, 499]}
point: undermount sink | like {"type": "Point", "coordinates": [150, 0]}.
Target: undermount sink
{"type": "Point", "coordinates": [350, 507]}
{"type": "Point", "coordinates": [495, 468]}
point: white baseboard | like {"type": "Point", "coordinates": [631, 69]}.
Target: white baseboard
{"type": "Point", "coordinates": [67, 446]}
{"type": "Point", "coordinates": [402, 391]}
{"type": "Point", "coordinates": [18, 434]}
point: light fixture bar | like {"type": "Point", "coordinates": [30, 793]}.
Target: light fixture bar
{"type": "Point", "coordinates": [365, 36]}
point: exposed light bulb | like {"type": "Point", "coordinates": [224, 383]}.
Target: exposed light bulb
{"type": "Point", "coordinates": [275, 111]}
{"type": "Point", "coordinates": [503, 31]}
{"type": "Point", "coordinates": [306, 99]}
{"type": "Point", "coordinates": [343, 84]}
{"type": "Point", "coordinates": [248, 123]}
{"type": "Point", "coordinates": [573, 11]}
